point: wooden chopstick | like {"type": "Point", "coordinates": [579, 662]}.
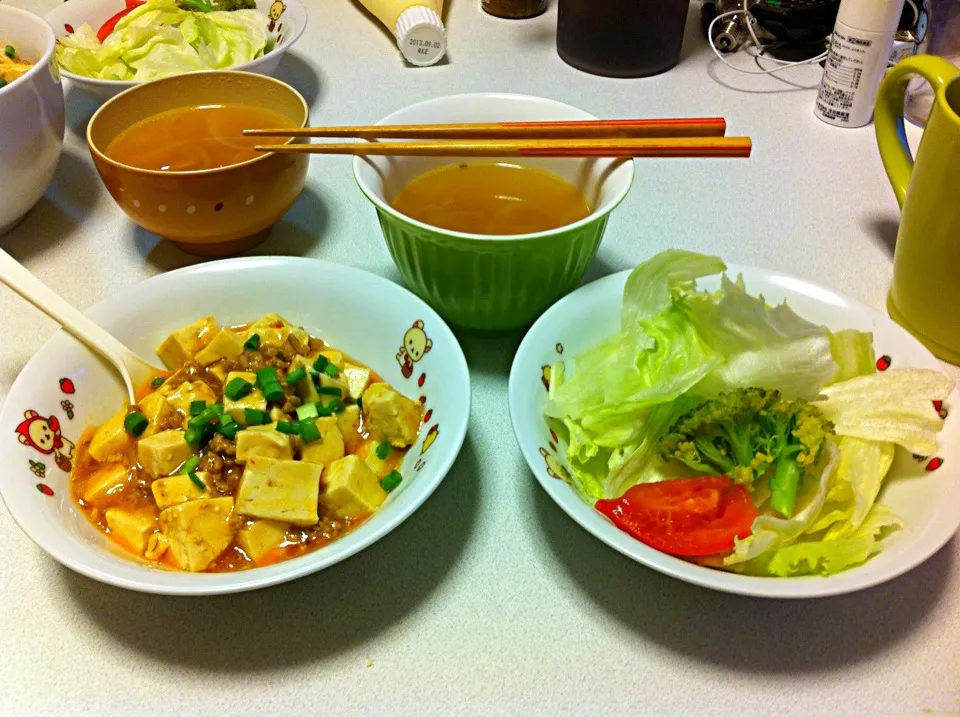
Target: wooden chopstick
{"type": "Point", "coordinates": [649, 147]}
{"type": "Point", "coordinates": [595, 129]}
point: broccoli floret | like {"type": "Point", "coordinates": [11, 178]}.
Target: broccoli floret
{"type": "Point", "coordinates": [748, 434]}
{"type": "Point", "coordinates": [212, 5]}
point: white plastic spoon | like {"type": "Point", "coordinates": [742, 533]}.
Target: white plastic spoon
{"type": "Point", "coordinates": [133, 369]}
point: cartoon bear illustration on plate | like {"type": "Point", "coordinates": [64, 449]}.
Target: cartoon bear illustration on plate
{"type": "Point", "coordinates": [554, 468]}
{"type": "Point", "coordinates": [275, 11]}
{"type": "Point", "coordinates": [43, 434]}
{"type": "Point", "coordinates": [416, 343]}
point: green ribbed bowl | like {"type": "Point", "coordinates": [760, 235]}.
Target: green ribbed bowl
{"type": "Point", "coordinates": [491, 283]}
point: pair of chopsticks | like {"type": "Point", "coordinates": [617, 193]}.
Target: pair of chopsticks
{"type": "Point", "coordinates": [695, 137]}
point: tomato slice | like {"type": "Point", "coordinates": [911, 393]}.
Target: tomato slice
{"type": "Point", "coordinates": [106, 28]}
{"type": "Point", "coordinates": [688, 516]}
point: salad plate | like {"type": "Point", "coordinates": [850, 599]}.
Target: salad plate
{"type": "Point", "coordinates": [923, 491]}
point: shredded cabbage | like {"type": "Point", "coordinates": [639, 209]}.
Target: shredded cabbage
{"type": "Point", "coordinates": [159, 39]}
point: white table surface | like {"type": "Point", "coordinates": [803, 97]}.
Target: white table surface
{"type": "Point", "coordinates": [489, 600]}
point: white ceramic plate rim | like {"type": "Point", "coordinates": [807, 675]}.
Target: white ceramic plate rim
{"type": "Point", "coordinates": [589, 519]}
{"type": "Point", "coordinates": [252, 579]}
{"type": "Point", "coordinates": [599, 212]}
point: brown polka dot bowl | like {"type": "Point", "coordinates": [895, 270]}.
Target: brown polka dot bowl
{"type": "Point", "coordinates": [211, 212]}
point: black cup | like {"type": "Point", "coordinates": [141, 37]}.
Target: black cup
{"type": "Point", "coordinates": [621, 38]}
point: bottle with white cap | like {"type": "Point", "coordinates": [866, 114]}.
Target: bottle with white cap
{"type": "Point", "coordinates": [417, 26]}
{"type": "Point", "coordinates": [857, 60]}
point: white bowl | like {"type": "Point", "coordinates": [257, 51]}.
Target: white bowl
{"type": "Point", "coordinates": [925, 497]}
{"type": "Point", "coordinates": [287, 26]}
{"type": "Point", "coordinates": [31, 116]}
{"type": "Point", "coordinates": [363, 314]}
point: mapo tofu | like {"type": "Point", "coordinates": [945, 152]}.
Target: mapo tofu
{"type": "Point", "coordinates": [259, 443]}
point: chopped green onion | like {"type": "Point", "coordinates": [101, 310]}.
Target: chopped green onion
{"type": "Point", "coordinates": [230, 432]}
{"type": "Point", "coordinates": [157, 382]}
{"type": "Point", "coordinates": [383, 450]}
{"type": "Point", "coordinates": [196, 407]}
{"type": "Point", "coordinates": [321, 363]}
{"type": "Point", "coordinates": [291, 429]}
{"type": "Point", "coordinates": [267, 375]}
{"type": "Point", "coordinates": [307, 410]}
{"type": "Point", "coordinates": [207, 415]}
{"type": "Point", "coordinates": [269, 383]}
{"type": "Point", "coordinates": [190, 465]}
{"type": "Point", "coordinates": [228, 427]}
{"type": "Point", "coordinates": [391, 480]}
{"type": "Point", "coordinates": [199, 483]}
{"type": "Point", "coordinates": [331, 370]}
{"type": "Point", "coordinates": [135, 422]}
{"type": "Point", "coordinates": [323, 411]}
{"type": "Point", "coordinates": [337, 406]}
{"type": "Point", "coordinates": [274, 392]}
{"type": "Point", "coordinates": [309, 431]}
{"type": "Point", "coordinates": [253, 343]}
{"type": "Point", "coordinates": [10, 51]}
{"type": "Point", "coordinates": [237, 388]}
{"type": "Point", "coordinates": [296, 375]}
{"type": "Point", "coordinates": [193, 436]}
{"type": "Point", "coordinates": [3, 82]}
{"type": "Point", "coordinates": [330, 390]}
{"type": "Point", "coordinates": [360, 403]}
{"type": "Point", "coordinates": [255, 417]}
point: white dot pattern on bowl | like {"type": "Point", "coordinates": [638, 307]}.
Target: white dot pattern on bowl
{"type": "Point", "coordinates": [191, 209]}
{"type": "Point", "coordinates": [162, 208]}
{"type": "Point", "coordinates": [136, 203]}
{"type": "Point", "coordinates": [249, 200]}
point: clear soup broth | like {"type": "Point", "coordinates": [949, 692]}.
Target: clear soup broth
{"type": "Point", "coordinates": [492, 198]}
{"type": "Point", "coordinates": [194, 138]}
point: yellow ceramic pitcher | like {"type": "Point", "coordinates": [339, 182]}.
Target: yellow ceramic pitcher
{"type": "Point", "coordinates": [925, 296]}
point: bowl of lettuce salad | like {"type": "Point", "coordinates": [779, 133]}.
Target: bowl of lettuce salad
{"type": "Point", "coordinates": [108, 46]}
{"type": "Point", "coordinates": [740, 429]}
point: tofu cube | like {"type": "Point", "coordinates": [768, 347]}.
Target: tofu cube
{"type": "Point", "coordinates": [103, 480]}
{"type": "Point", "coordinates": [264, 441]}
{"type": "Point", "coordinates": [304, 387]}
{"type": "Point", "coordinates": [339, 382]}
{"type": "Point", "coordinates": [349, 424]}
{"type": "Point", "coordinates": [334, 357]}
{"type": "Point", "coordinates": [254, 399]}
{"type": "Point", "coordinates": [391, 416]}
{"type": "Point", "coordinates": [226, 344]}
{"type": "Point", "coordinates": [280, 490]}
{"type": "Point", "coordinates": [330, 446]}
{"type": "Point", "coordinates": [219, 370]}
{"type": "Point", "coordinates": [111, 439]}
{"type": "Point", "coordinates": [351, 488]}
{"type": "Point", "coordinates": [157, 410]}
{"type": "Point", "coordinates": [274, 330]}
{"type": "Point", "coordinates": [260, 537]}
{"type": "Point", "coordinates": [134, 528]}
{"type": "Point", "coordinates": [198, 531]}
{"type": "Point", "coordinates": [186, 393]}
{"type": "Point", "coordinates": [181, 346]}
{"type": "Point", "coordinates": [162, 453]}
{"type": "Point", "coordinates": [178, 489]}
{"type": "Point", "coordinates": [357, 379]}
